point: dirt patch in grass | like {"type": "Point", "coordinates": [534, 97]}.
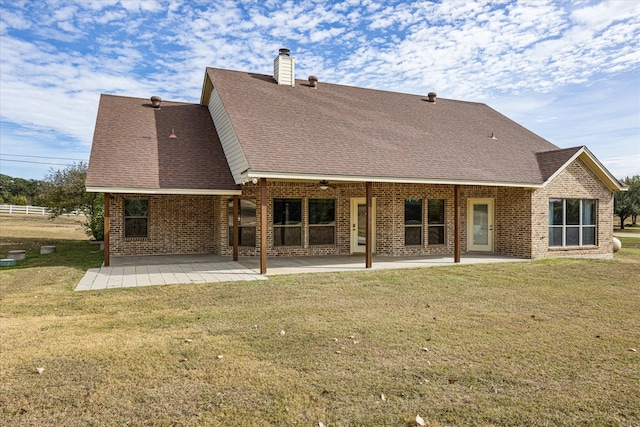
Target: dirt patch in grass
{"type": "Point", "coordinates": [538, 343]}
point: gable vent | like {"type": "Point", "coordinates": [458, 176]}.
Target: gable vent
{"type": "Point", "coordinates": [284, 68]}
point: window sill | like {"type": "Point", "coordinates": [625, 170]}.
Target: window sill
{"type": "Point", "coordinates": [571, 248]}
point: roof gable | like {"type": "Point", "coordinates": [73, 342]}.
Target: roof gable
{"type": "Point", "coordinates": [132, 150]}
{"type": "Point", "coordinates": [552, 163]}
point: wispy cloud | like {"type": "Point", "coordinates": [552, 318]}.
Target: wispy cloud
{"type": "Point", "coordinates": [528, 59]}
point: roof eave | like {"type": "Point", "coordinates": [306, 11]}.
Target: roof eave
{"type": "Point", "coordinates": [207, 87]}
{"type": "Point", "coordinates": [382, 179]}
{"type": "Point", "coordinates": [596, 167]}
{"type": "Point", "coordinates": [172, 191]}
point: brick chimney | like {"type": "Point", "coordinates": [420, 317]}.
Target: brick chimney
{"type": "Point", "coordinates": [284, 68]}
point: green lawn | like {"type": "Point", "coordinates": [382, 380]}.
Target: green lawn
{"type": "Point", "coordinates": [538, 343]}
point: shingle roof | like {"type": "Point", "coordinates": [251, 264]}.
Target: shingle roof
{"type": "Point", "coordinates": [132, 149]}
{"type": "Point", "coordinates": [550, 161]}
{"type": "Point", "coordinates": [338, 130]}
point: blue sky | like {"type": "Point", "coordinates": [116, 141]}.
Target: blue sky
{"type": "Point", "coordinates": [568, 71]}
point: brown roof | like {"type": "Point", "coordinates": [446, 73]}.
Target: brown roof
{"type": "Point", "coordinates": [349, 131]}
{"type": "Point", "coordinates": [551, 161]}
{"type": "Point", "coordinates": [132, 149]}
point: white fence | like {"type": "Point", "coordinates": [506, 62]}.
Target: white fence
{"type": "Point", "coordinates": [30, 210]}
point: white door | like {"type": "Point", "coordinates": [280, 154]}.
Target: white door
{"type": "Point", "coordinates": [480, 225]}
{"type": "Point", "coordinates": [359, 225]}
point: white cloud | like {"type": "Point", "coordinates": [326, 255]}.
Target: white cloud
{"type": "Point", "coordinates": [518, 56]}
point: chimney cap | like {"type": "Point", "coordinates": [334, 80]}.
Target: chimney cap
{"type": "Point", "coordinates": [284, 52]}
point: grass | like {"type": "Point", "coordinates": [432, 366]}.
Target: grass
{"type": "Point", "coordinates": [539, 343]}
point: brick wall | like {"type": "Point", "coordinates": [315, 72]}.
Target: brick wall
{"type": "Point", "coordinates": [199, 224]}
{"type": "Point", "coordinates": [513, 223]}
{"type": "Point", "coordinates": [177, 224]}
{"type": "Point", "coordinates": [575, 182]}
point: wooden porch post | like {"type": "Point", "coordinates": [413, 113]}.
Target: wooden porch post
{"type": "Point", "coordinates": [107, 227]}
{"type": "Point", "coordinates": [263, 225]}
{"type": "Point", "coordinates": [236, 228]}
{"type": "Point", "coordinates": [369, 220]}
{"type": "Point", "coordinates": [456, 224]}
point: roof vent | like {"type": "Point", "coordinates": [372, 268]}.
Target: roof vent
{"type": "Point", "coordinates": [313, 82]}
{"type": "Point", "coordinates": [284, 68]}
{"type": "Point", "coordinates": [155, 101]}
{"type": "Point", "coordinates": [432, 96]}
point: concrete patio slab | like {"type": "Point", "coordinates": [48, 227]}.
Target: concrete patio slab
{"type": "Point", "coordinates": [336, 263]}
{"type": "Point", "coordinates": [126, 272]}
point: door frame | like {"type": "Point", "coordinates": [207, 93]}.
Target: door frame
{"type": "Point", "coordinates": [489, 247]}
{"type": "Point", "coordinates": [353, 225]}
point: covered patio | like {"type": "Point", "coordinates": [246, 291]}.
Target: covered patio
{"type": "Point", "coordinates": [152, 270]}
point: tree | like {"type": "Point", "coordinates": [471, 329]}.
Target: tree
{"type": "Point", "coordinates": [18, 191]}
{"type": "Point", "coordinates": [627, 203]}
{"type": "Point", "coordinates": [63, 192]}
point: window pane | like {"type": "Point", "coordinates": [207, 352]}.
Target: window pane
{"type": "Point", "coordinates": [412, 212]}
{"type": "Point", "coordinates": [412, 236]}
{"type": "Point", "coordinates": [325, 235]}
{"type": "Point", "coordinates": [480, 224]}
{"type": "Point", "coordinates": [573, 236]}
{"type": "Point", "coordinates": [136, 207]}
{"type": "Point", "coordinates": [322, 211]}
{"type": "Point", "coordinates": [573, 212]}
{"type": "Point", "coordinates": [287, 236]}
{"type": "Point", "coordinates": [436, 211]}
{"type": "Point", "coordinates": [287, 211]}
{"type": "Point", "coordinates": [246, 236]}
{"type": "Point", "coordinates": [436, 235]}
{"type": "Point", "coordinates": [135, 227]}
{"type": "Point", "coordinates": [555, 236]}
{"type": "Point", "coordinates": [555, 212]}
{"type": "Point", "coordinates": [588, 212]}
{"type": "Point", "coordinates": [246, 212]}
{"type": "Point", "coordinates": [589, 236]}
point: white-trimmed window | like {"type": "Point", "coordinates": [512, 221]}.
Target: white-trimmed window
{"type": "Point", "coordinates": [572, 222]}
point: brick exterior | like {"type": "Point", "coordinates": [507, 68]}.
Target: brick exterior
{"type": "Point", "coordinates": [199, 224]}
{"type": "Point", "coordinates": [177, 225]}
{"type": "Point", "coordinates": [575, 182]}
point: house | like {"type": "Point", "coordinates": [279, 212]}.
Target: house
{"type": "Point", "coordinates": [277, 166]}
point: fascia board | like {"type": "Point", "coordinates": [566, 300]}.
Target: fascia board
{"type": "Point", "coordinates": [184, 191]}
{"type": "Point", "coordinates": [346, 178]}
